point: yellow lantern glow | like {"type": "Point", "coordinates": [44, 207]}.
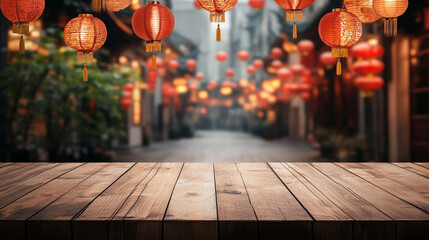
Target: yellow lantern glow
{"type": "Point", "coordinates": [203, 94]}
{"type": "Point", "coordinates": [182, 89]}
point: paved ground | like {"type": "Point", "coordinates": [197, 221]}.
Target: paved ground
{"type": "Point", "coordinates": [222, 146]}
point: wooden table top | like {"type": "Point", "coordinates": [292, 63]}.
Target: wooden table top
{"type": "Point", "coordinates": [214, 201]}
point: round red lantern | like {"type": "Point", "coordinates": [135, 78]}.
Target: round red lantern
{"type": "Point", "coordinates": [21, 13]}
{"type": "Point", "coordinates": [294, 10]}
{"type": "Point", "coordinates": [191, 64]}
{"type": "Point", "coordinates": [293, 88]}
{"type": "Point", "coordinates": [221, 56]}
{"type": "Point", "coordinates": [369, 83]}
{"type": "Point", "coordinates": [152, 76]}
{"type": "Point", "coordinates": [305, 47]}
{"type": "Point", "coordinates": [258, 64]}
{"type": "Point", "coordinates": [390, 10]}
{"type": "Point", "coordinates": [197, 5]}
{"type": "Point", "coordinates": [85, 34]}
{"type": "Point", "coordinates": [152, 23]}
{"type": "Point", "coordinates": [366, 50]}
{"type": "Point", "coordinates": [284, 73]}
{"type": "Point", "coordinates": [129, 87]}
{"type": "Point", "coordinates": [306, 96]}
{"type": "Point", "coordinates": [276, 52]}
{"type": "Point", "coordinates": [230, 73]}
{"type": "Point", "coordinates": [173, 65]}
{"type": "Point", "coordinates": [256, 4]}
{"type": "Point", "coordinates": [243, 55]}
{"type": "Point", "coordinates": [251, 70]}
{"type": "Point", "coordinates": [199, 76]}
{"type": "Point", "coordinates": [340, 30]}
{"type": "Point", "coordinates": [327, 60]}
{"type": "Point", "coordinates": [126, 103]}
{"type": "Point", "coordinates": [116, 5]}
{"type": "Point", "coordinates": [297, 69]}
{"type": "Point", "coordinates": [363, 9]}
{"type": "Point", "coordinates": [276, 64]}
{"type": "Point", "coordinates": [217, 9]}
{"type": "Point", "coordinates": [305, 87]}
{"type": "Point", "coordinates": [212, 85]}
{"type": "Point", "coordinates": [371, 66]}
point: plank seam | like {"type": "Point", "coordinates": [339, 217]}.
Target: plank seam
{"type": "Point", "coordinates": [410, 170]}
{"type": "Point", "coordinates": [217, 208]}
{"type": "Point", "coordinates": [421, 165]}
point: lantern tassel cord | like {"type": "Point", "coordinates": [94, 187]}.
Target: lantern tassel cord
{"type": "Point", "coordinates": [153, 61]}
{"type": "Point", "coordinates": [339, 67]}
{"type": "Point", "coordinates": [21, 45]}
{"type": "Point", "coordinates": [218, 33]}
{"type": "Point", "coordinates": [295, 35]}
{"type": "Point", "coordinates": [85, 73]}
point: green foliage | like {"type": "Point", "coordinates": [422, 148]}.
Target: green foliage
{"type": "Point", "coordinates": [49, 105]}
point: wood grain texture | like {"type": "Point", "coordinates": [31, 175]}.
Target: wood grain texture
{"type": "Point", "coordinates": [192, 213]}
{"type": "Point", "coordinates": [237, 219]}
{"type": "Point", "coordinates": [58, 215]}
{"type": "Point", "coordinates": [414, 168]}
{"type": "Point", "coordinates": [423, 164]}
{"type": "Point", "coordinates": [10, 167]}
{"type": "Point", "coordinates": [7, 180]}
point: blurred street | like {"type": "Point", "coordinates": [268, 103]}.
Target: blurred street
{"type": "Point", "coordinates": [222, 146]}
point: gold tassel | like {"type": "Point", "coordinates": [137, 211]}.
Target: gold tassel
{"type": "Point", "coordinates": [21, 45]}
{"type": "Point", "coordinates": [217, 17]}
{"type": "Point", "coordinates": [218, 33]}
{"type": "Point", "coordinates": [294, 31]}
{"type": "Point", "coordinates": [85, 74]}
{"type": "Point", "coordinates": [153, 61]}
{"type": "Point", "coordinates": [339, 67]}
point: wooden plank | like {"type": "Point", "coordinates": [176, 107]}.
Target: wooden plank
{"type": "Point", "coordinates": [414, 168]}
{"type": "Point", "coordinates": [93, 223]}
{"type": "Point", "coordinates": [13, 166]}
{"type": "Point", "coordinates": [404, 184]}
{"type": "Point", "coordinates": [5, 164]}
{"type": "Point", "coordinates": [368, 219]}
{"type": "Point", "coordinates": [20, 210]}
{"type": "Point", "coordinates": [16, 170]}
{"type": "Point", "coordinates": [18, 190]}
{"type": "Point", "coordinates": [423, 164]}
{"type": "Point", "coordinates": [331, 222]}
{"type": "Point", "coordinates": [8, 180]}
{"type": "Point", "coordinates": [280, 215]}
{"type": "Point", "coordinates": [237, 219]}
{"type": "Point", "coordinates": [142, 214]}
{"type": "Point", "coordinates": [53, 222]}
{"type": "Point", "coordinates": [191, 213]}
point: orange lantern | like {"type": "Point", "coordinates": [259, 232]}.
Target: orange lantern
{"type": "Point", "coordinates": [243, 55]}
{"type": "Point", "coordinates": [152, 23]}
{"type": "Point", "coordinates": [230, 73]}
{"type": "Point", "coordinates": [390, 10]}
{"type": "Point", "coordinates": [363, 9]}
{"type": "Point", "coordinates": [327, 60]}
{"type": "Point", "coordinates": [340, 30]}
{"type": "Point", "coordinates": [294, 10]}
{"type": "Point", "coordinates": [276, 64]}
{"type": "Point", "coordinates": [21, 13]}
{"type": "Point", "coordinates": [212, 85]}
{"type": "Point", "coordinates": [221, 56]}
{"type": "Point", "coordinates": [305, 47]}
{"type": "Point", "coordinates": [116, 5]}
{"type": "Point", "coordinates": [250, 70]}
{"type": "Point", "coordinates": [258, 64]}
{"type": "Point", "coordinates": [226, 88]}
{"type": "Point", "coordinates": [199, 76]}
{"type": "Point", "coordinates": [173, 65]}
{"type": "Point", "coordinates": [191, 64]}
{"type": "Point", "coordinates": [203, 111]}
{"type": "Point", "coordinates": [276, 52]}
{"type": "Point", "coordinates": [203, 94]}
{"type": "Point", "coordinates": [217, 9]}
{"type": "Point", "coordinates": [85, 34]}
{"type": "Point", "coordinates": [256, 4]}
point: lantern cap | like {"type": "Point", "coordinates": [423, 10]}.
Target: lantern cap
{"type": "Point", "coordinates": [85, 15]}
{"type": "Point", "coordinates": [339, 10]}
{"type": "Point", "coordinates": [153, 2]}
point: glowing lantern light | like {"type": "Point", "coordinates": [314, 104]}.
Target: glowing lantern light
{"type": "Point", "coordinates": [297, 69]}
{"type": "Point", "coordinates": [367, 84]}
{"type": "Point", "coordinates": [284, 73]}
{"type": "Point", "coordinates": [258, 64]}
{"type": "Point", "coordinates": [199, 76]}
{"type": "Point", "coordinates": [152, 23]}
{"type": "Point", "coordinates": [305, 47]}
{"type": "Point", "coordinates": [182, 89]}
{"type": "Point", "coordinates": [217, 9]}
{"type": "Point", "coordinates": [191, 64]}
{"type": "Point", "coordinates": [173, 65]}
{"type": "Point", "coordinates": [179, 81]}
{"type": "Point", "coordinates": [271, 99]}
{"type": "Point", "coordinates": [366, 50]}
{"type": "Point", "coordinates": [221, 56]}
{"type": "Point", "coordinates": [85, 34]}
{"type": "Point", "coordinates": [363, 9]}
{"type": "Point", "coordinates": [116, 5]}
{"type": "Point", "coordinates": [244, 83]}
{"type": "Point", "coordinates": [226, 88]}
{"type": "Point", "coordinates": [193, 87]}
{"type": "Point", "coordinates": [340, 30]}
{"type": "Point", "coordinates": [230, 73]}
{"type": "Point", "coordinates": [203, 94]}
{"type": "Point", "coordinates": [21, 13]}
{"type": "Point", "coordinates": [260, 114]}
{"type": "Point", "coordinates": [250, 70]}
{"type": "Point", "coordinates": [256, 4]}
{"type": "Point", "coordinates": [276, 52]}
{"type": "Point", "coordinates": [327, 60]}
{"type": "Point", "coordinates": [203, 111]}
{"type": "Point", "coordinates": [371, 66]}
{"type": "Point", "coordinates": [294, 10]}
{"type": "Point", "coordinates": [276, 64]}
{"type": "Point", "coordinates": [197, 5]}
{"type": "Point", "coordinates": [275, 83]}
{"type": "Point", "coordinates": [390, 10]}
{"type": "Point", "coordinates": [243, 55]}
{"type": "Point", "coordinates": [212, 85]}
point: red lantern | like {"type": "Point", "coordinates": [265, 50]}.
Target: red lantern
{"type": "Point", "coordinates": [340, 30]}
{"type": "Point", "coordinates": [243, 55]}
{"type": "Point", "coordinates": [327, 60]}
{"type": "Point", "coordinates": [197, 5]}
{"type": "Point", "coordinates": [276, 52]}
{"type": "Point", "coordinates": [256, 4]}
{"type": "Point", "coordinates": [21, 13]}
{"type": "Point", "coordinates": [230, 73]}
{"type": "Point", "coordinates": [294, 10]}
{"type": "Point", "coordinates": [305, 87]}
{"type": "Point", "coordinates": [258, 64]}
{"type": "Point", "coordinates": [153, 22]}
{"type": "Point", "coordinates": [276, 64]}
{"type": "Point", "coordinates": [293, 88]}
{"type": "Point", "coordinates": [366, 50]}
{"type": "Point", "coordinates": [221, 56]}
{"type": "Point", "coordinates": [306, 96]}
{"type": "Point", "coordinates": [127, 94]}
{"type": "Point", "coordinates": [212, 85]}
{"type": "Point", "coordinates": [191, 64]}
{"type": "Point", "coordinates": [199, 76]}
{"type": "Point", "coordinates": [129, 87]}
{"type": "Point", "coordinates": [152, 77]}
{"type": "Point", "coordinates": [305, 47]}
{"type": "Point", "coordinates": [92, 104]}
{"type": "Point", "coordinates": [159, 63]}
{"type": "Point", "coordinates": [371, 66]}
{"type": "Point", "coordinates": [251, 70]}
{"type": "Point", "coordinates": [284, 73]}
{"type": "Point", "coordinates": [173, 65]}
{"type": "Point", "coordinates": [193, 87]}
{"type": "Point", "coordinates": [126, 103]}
{"type": "Point", "coordinates": [369, 83]}
{"type": "Point", "coordinates": [297, 69]}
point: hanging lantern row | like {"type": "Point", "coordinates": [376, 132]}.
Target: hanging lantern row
{"type": "Point", "coordinates": [111, 5]}
{"type": "Point", "coordinates": [294, 10]}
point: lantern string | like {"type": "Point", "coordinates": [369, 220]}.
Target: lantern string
{"type": "Point", "coordinates": [21, 45]}
{"type": "Point", "coordinates": [339, 66]}
{"type": "Point", "coordinates": [218, 33]}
